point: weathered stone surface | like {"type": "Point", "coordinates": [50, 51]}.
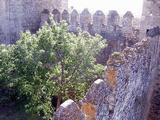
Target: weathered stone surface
{"type": "Point", "coordinates": [130, 90]}
{"type": "Point", "coordinates": [134, 81]}
{"type": "Point", "coordinates": [85, 20]}
{"type": "Point", "coordinates": [98, 21]}
{"type": "Point", "coordinates": [69, 110]}
{"type": "Point", "coordinates": [113, 18]}
{"type": "Point", "coordinates": [150, 15]}
{"type": "Point", "coordinates": [21, 15]}
{"type": "Point", "coordinates": [113, 32]}
{"type": "Point", "coordinates": [128, 14]}
{"type": "Point", "coordinates": [27, 17]}
{"type": "Point", "coordinates": [56, 15]}
{"type": "Point", "coordinates": [127, 23]}
{"type": "Point", "coordinates": [132, 72]}
{"type": "Point", "coordinates": [30, 15]}
{"type": "Point", "coordinates": [131, 87]}
{"type": "Point", "coordinates": [95, 105]}
{"type": "Point", "coordinates": [65, 16]}
{"type": "Point", "coordinates": [153, 32]}
{"type": "Point", "coordinates": [74, 21]}
{"type": "Point", "coordinates": [154, 111]}
{"type": "Point", "coordinates": [113, 22]}
{"type": "Point", "coordinates": [89, 110]}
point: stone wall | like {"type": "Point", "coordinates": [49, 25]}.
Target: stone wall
{"type": "Point", "coordinates": [98, 23]}
{"type": "Point", "coordinates": [121, 95]}
{"type": "Point", "coordinates": [130, 90]}
{"type": "Point", "coordinates": [126, 92]}
{"type": "Point", "coordinates": [20, 15]}
{"type": "Point", "coordinates": [118, 31]}
{"type": "Point", "coordinates": [30, 15]}
{"type": "Point", "coordinates": [150, 15]}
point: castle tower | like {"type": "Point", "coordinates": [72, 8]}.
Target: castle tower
{"type": "Point", "coordinates": [22, 15]}
{"type": "Point", "coordinates": [150, 15]}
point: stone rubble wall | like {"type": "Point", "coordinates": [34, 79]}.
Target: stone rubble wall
{"type": "Point", "coordinates": [124, 93]}
{"type": "Point", "coordinates": [94, 106]}
{"type": "Point", "coordinates": [132, 75]}
{"type": "Point", "coordinates": [106, 99]}
{"type": "Point", "coordinates": [137, 83]}
{"type": "Point", "coordinates": [154, 101]}
{"type": "Point", "coordinates": [151, 23]}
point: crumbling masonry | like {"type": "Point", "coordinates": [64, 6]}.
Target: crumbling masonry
{"type": "Point", "coordinates": [119, 32]}
{"type": "Point", "coordinates": [131, 89]}
{"type": "Point", "coordinates": [20, 15]}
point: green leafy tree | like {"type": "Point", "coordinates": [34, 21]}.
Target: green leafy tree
{"type": "Point", "coordinates": [6, 70]}
{"type": "Point", "coordinates": [72, 59]}
{"type": "Point", "coordinates": [52, 62]}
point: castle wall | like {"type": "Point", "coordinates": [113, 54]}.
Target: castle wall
{"type": "Point", "coordinates": [21, 15]}
{"type": "Point", "coordinates": [151, 27]}
{"type": "Point", "coordinates": [108, 26]}
{"type": "Point", "coordinates": [133, 74]}
{"type": "Point", "coordinates": [97, 24]}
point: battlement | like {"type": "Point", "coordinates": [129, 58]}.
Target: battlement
{"type": "Point", "coordinates": [19, 16]}
{"type": "Point", "coordinates": [95, 23]}
{"type": "Point", "coordinates": [119, 31]}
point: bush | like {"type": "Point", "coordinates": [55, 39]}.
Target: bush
{"type": "Point", "coordinates": [52, 62]}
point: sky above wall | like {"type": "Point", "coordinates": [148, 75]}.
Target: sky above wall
{"type": "Point", "coordinates": [135, 6]}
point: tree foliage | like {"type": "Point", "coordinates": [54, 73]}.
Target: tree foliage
{"type": "Point", "coordinates": [52, 62]}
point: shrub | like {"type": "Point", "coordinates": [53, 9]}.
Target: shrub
{"type": "Point", "coordinates": [52, 62]}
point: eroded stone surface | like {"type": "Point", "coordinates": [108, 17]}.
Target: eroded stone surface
{"type": "Point", "coordinates": [98, 21]}
{"type": "Point", "coordinates": [89, 110]}
{"type": "Point", "coordinates": [74, 21]}
{"type": "Point", "coordinates": [96, 101]}
{"type": "Point", "coordinates": [131, 88]}
{"type": "Point", "coordinates": [21, 15]}
{"type": "Point", "coordinates": [69, 110]}
{"type": "Point", "coordinates": [85, 19]}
